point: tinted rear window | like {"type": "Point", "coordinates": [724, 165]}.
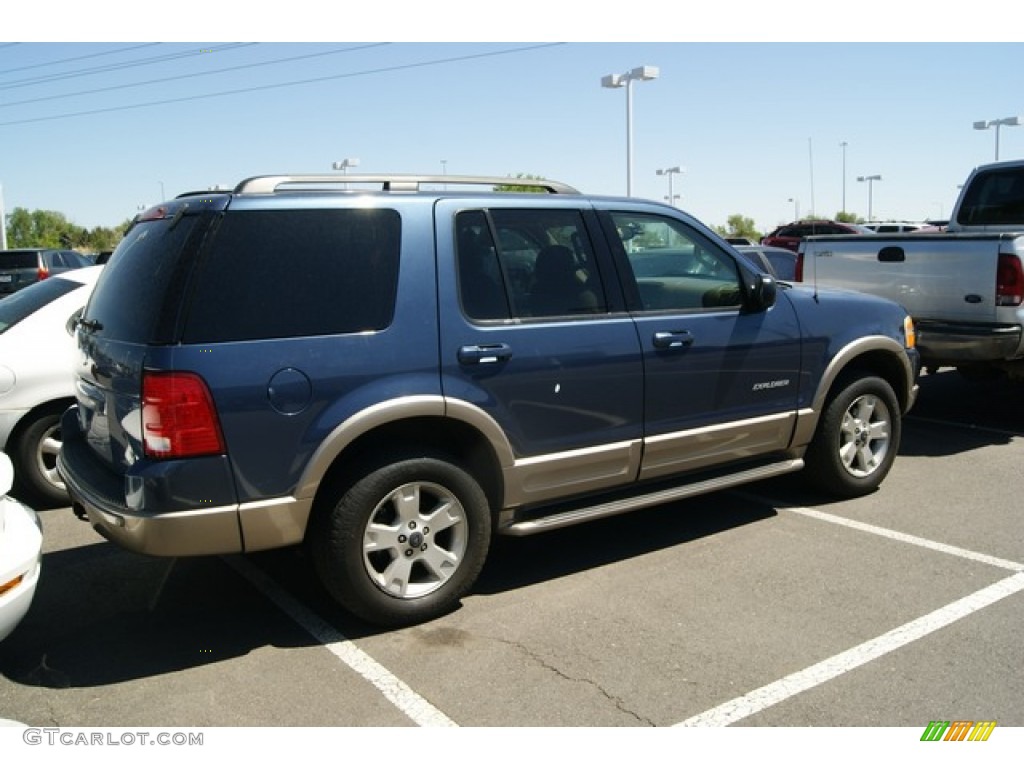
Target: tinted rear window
{"type": "Point", "coordinates": [18, 306]}
{"type": "Point", "coordinates": [130, 295]}
{"type": "Point", "coordinates": [19, 259]}
{"type": "Point", "coordinates": [281, 273]}
{"type": "Point", "coordinates": [994, 198]}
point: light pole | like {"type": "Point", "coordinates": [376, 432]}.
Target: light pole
{"type": "Point", "coordinates": [796, 208]}
{"type": "Point", "coordinates": [670, 172]}
{"type": "Point", "coordinates": [626, 80]}
{"type": "Point", "coordinates": [984, 125]}
{"type": "Point", "coordinates": [843, 145]}
{"type": "Point", "coordinates": [344, 165]}
{"type": "Point", "coordinates": [870, 180]}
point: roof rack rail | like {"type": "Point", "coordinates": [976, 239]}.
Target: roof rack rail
{"type": "Point", "coordinates": [395, 182]}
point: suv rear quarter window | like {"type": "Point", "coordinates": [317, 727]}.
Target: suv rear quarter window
{"type": "Point", "coordinates": [283, 273]}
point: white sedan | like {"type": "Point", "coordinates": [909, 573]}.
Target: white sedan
{"type": "Point", "coordinates": [37, 353]}
{"type": "Point", "coordinates": [21, 543]}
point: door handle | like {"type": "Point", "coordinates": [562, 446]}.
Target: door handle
{"type": "Point", "coordinates": [481, 354]}
{"type": "Point", "coordinates": [892, 253]}
{"type": "Point", "coordinates": [672, 339]}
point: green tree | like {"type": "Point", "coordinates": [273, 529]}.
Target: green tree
{"type": "Point", "coordinates": [848, 218]}
{"type": "Point", "coordinates": [51, 229]}
{"type": "Point", "coordinates": [738, 225]}
{"type": "Point", "coordinates": [520, 187]}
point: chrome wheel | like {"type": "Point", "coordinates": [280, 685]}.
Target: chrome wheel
{"type": "Point", "coordinates": [415, 540]}
{"type": "Point", "coordinates": [864, 436]}
{"type": "Point", "coordinates": [45, 457]}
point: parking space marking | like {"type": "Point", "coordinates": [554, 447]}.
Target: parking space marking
{"type": "Point", "coordinates": [414, 706]}
{"type": "Point", "coordinates": [904, 537]}
{"type": "Point", "coordinates": [773, 693]}
{"type": "Point", "coordinates": [780, 690]}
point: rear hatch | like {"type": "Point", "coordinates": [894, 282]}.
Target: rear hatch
{"type": "Point", "coordinates": [18, 269]}
{"type": "Point", "coordinates": [134, 306]}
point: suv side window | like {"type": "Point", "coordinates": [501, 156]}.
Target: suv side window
{"type": "Point", "coordinates": [526, 263]}
{"type": "Point", "coordinates": [675, 268]}
{"type": "Point", "coordinates": [286, 273]}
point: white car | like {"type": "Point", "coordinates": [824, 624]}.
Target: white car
{"type": "Point", "coordinates": [21, 544]}
{"type": "Point", "coordinates": [37, 353]}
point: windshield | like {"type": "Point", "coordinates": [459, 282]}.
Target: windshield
{"type": "Point", "coordinates": [20, 305]}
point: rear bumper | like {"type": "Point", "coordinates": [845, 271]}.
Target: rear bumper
{"type": "Point", "coordinates": [943, 343]}
{"type": "Point", "coordinates": [141, 513]}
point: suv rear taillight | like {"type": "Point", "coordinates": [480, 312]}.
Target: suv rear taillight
{"type": "Point", "coordinates": [798, 276]}
{"type": "Point", "coordinates": [1009, 281]}
{"type": "Point", "coordinates": [179, 419]}
{"type": "Point", "coordinates": [42, 272]}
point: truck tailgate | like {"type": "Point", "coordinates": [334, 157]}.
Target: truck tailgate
{"type": "Point", "coordinates": [950, 277]}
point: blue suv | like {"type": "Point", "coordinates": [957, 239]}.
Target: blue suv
{"type": "Point", "coordinates": [391, 370]}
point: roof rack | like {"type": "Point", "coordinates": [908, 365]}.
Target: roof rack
{"type": "Point", "coordinates": [395, 182]}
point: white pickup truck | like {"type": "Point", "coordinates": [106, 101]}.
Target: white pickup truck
{"type": "Point", "coordinates": [963, 287]}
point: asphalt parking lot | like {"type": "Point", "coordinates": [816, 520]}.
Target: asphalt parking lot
{"type": "Point", "coordinates": [768, 606]}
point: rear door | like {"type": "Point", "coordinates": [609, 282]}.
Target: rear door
{"type": "Point", "coordinates": [536, 342]}
{"type": "Point", "coordinates": [17, 269]}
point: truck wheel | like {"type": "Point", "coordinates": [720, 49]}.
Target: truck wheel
{"type": "Point", "coordinates": [857, 438]}
{"type": "Point", "coordinates": [405, 542]}
{"type": "Point", "coordinates": [34, 454]}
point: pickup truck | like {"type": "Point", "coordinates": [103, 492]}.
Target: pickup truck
{"type": "Point", "coordinates": [963, 287]}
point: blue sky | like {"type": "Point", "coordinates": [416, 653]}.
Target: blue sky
{"type": "Point", "coordinates": [94, 130]}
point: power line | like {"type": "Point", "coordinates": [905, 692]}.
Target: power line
{"type": "Point", "coordinates": [122, 65]}
{"type": "Point", "coordinates": [256, 88]}
{"type": "Point", "coordinates": [73, 58]}
{"type": "Point", "coordinates": [193, 74]}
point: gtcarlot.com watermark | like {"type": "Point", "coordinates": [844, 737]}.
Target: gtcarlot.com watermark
{"type": "Point", "coordinates": [78, 737]}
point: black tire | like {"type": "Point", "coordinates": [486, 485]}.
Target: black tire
{"type": "Point", "coordinates": [33, 452]}
{"type": "Point", "coordinates": [404, 542]}
{"type": "Point", "coordinates": [857, 438]}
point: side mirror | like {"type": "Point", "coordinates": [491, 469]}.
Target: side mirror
{"type": "Point", "coordinates": [763, 292]}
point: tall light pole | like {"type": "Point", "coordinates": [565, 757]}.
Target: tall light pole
{"type": "Point", "coordinates": [796, 208]}
{"type": "Point", "coordinates": [984, 125]}
{"type": "Point", "coordinates": [843, 145]}
{"type": "Point", "coordinates": [670, 172]}
{"type": "Point", "coordinates": [870, 180]}
{"type": "Point", "coordinates": [626, 80]}
{"type": "Point", "coordinates": [344, 165]}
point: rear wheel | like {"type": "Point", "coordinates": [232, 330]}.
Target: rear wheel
{"type": "Point", "coordinates": [405, 542]}
{"type": "Point", "coordinates": [857, 438]}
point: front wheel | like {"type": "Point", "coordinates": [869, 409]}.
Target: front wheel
{"type": "Point", "coordinates": [857, 438]}
{"type": "Point", "coordinates": [34, 453]}
{"type": "Point", "coordinates": [403, 543]}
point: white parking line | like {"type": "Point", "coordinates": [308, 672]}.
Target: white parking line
{"type": "Point", "coordinates": [414, 706]}
{"type": "Point", "coordinates": [905, 538]}
{"type": "Point", "coordinates": [780, 690]}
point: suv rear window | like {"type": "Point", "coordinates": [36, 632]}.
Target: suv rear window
{"type": "Point", "coordinates": [127, 302]}
{"type": "Point", "coordinates": [18, 306]}
{"type": "Point", "coordinates": [19, 259]}
{"type": "Point", "coordinates": [281, 273]}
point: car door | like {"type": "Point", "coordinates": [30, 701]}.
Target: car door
{"type": "Point", "coordinates": [537, 349]}
{"type": "Point", "coordinates": [721, 378]}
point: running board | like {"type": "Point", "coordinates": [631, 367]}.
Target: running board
{"type": "Point", "coordinates": [642, 501]}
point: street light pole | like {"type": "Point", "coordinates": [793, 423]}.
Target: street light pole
{"type": "Point", "coordinates": [984, 125]}
{"type": "Point", "coordinates": [843, 145]}
{"type": "Point", "coordinates": [870, 180]}
{"type": "Point", "coordinates": [670, 172]}
{"type": "Point", "coordinates": [344, 165]}
{"type": "Point", "coordinates": [796, 208]}
{"type": "Point", "coordinates": [626, 80]}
